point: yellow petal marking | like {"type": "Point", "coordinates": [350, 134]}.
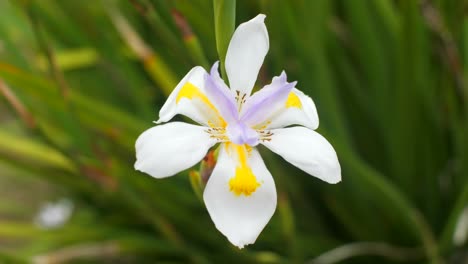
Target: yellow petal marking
{"type": "Point", "coordinates": [293, 101]}
{"type": "Point", "coordinates": [191, 92]}
{"type": "Point", "coordinates": [244, 181]}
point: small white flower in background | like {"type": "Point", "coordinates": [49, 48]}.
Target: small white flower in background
{"type": "Point", "coordinates": [240, 194]}
{"type": "Point", "coordinates": [54, 214]}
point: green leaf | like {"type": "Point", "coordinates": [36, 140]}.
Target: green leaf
{"type": "Point", "coordinates": [224, 20]}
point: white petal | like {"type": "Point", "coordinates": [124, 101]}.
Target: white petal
{"type": "Point", "coordinates": [189, 98]}
{"type": "Point", "coordinates": [307, 150]}
{"type": "Point", "coordinates": [165, 150]}
{"type": "Point", "coordinates": [240, 218]}
{"type": "Point", "coordinates": [299, 109]}
{"type": "Point", "coordinates": [245, 54]}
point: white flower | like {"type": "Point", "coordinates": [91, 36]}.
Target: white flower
{"type": "Point", "coordinates": [240, 194]}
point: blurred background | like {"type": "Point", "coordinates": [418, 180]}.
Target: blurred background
{"type": "Point", "coordinates": [80, 80]}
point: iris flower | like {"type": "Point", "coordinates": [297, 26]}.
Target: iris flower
{"type": "Point", "coordinates": [240, 194]}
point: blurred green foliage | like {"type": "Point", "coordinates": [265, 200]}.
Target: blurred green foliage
{"type": "Point", "coordinates": [80, 80]}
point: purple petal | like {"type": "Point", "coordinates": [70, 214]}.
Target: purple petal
{"type": "Point", "coordinates": [239, 133]}
{"type": "Point", "coordinates": [221, 95]}
{"type": "Point", "coordinates": [267, 101]}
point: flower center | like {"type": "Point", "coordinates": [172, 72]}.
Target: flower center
{"type": "Point", "coordinates": [244, 181]}
{"type": "Point", "coordinates": [239, 133]}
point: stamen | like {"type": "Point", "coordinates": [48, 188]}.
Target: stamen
{"type": "Point", "coordinates": [218, 133]}
{"type": "Point", "coordinates": [264, 135]}
{"type": "Point", "coordinates": [241, 98]}
{"type": "Point", "coordinates": [263, 125]}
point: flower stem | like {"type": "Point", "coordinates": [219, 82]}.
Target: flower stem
{"type": "Point", "coordinates": [224, 20]}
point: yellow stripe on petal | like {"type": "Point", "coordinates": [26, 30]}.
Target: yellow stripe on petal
{"type": "Point", "coordinates": [293, 101]}
{"type": "Point", "coordinates": [244, 181]}
{"type": "Point", "coordinates": [191, 92]}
